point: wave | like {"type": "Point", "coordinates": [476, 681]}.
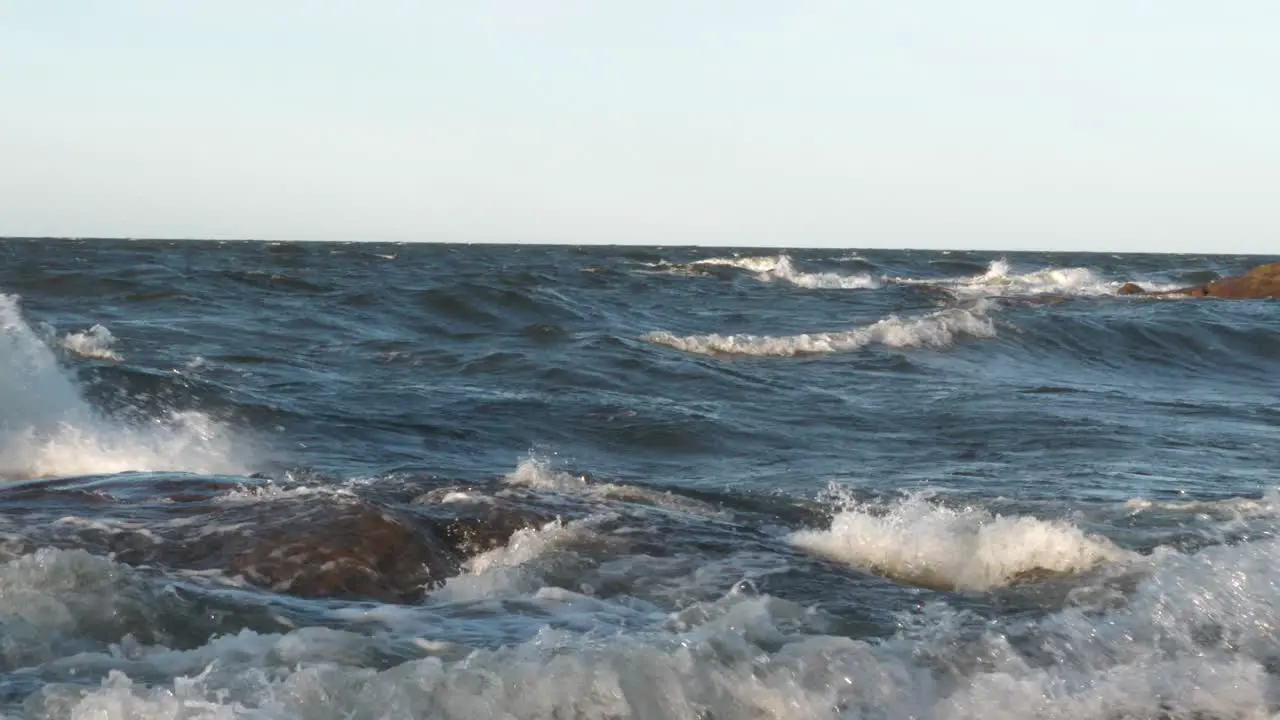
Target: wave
{"type": "Point", "coordinates": [523, 564]}
{"type": "Point", "coordinates": [49, 429]}
{"type": "Point", "coordinates": [1267, 506]}
{"type": "Point", "coordinates": [96, 343]}
{"type": "Point", "coordinates": [999, 280]}
{"type": "Point", "coordinates": [937, 330]}
{"type": "Point", "coordinates": [781, 268]}
{"type": "Point", "coordinates": [922, 543]}
{"type": "Point", "coordinates": [1193, 639]}
{"type": "Point", "coordinates": [538, 472]}
{"type": "Point", "coordinates": [996, 279]}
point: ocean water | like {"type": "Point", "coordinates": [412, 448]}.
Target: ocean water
{"type": "Point", "coordinates": [274, 480]}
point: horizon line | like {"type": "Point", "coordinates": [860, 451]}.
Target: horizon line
{"type": "Point", "coordinates": [544, 244]}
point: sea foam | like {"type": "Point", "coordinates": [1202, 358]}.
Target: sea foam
{"type": "Point", "coordinates": [751, 656]}
{"type": "Point", "coordinates": [47, 428]}
{"type": "Point", "coordinates": [96, 342]}
{"type": "Point", "coordinates": [931, 545]}
{"type": "Point", "coordinates": [781, 268]}
{"type": "Point", "coordinates": [936, 329]}
{"type": "Point", "coordinates": [1190, 640]}
{"type": "Point", "coordinates": [1000, 280]}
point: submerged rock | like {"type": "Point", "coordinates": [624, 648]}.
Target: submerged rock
{"type": "Point", "coordinates": [1131, 289]}
{"type": "Point", "coordinates": [314, 542]}
{"type": "Point", "coordinates": [362, 549]}
{"type": "Point", "coordinates": [353, 551]}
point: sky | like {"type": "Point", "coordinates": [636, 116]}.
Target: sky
{"type": "Point", "coordinates": [1113, 125]}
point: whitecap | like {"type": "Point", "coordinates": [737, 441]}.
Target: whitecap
{"type": "Point", "coordinates": [780, 268]}
{"type": "Point", "coordinates": [49, 429]}
{"type": "Point", "coordinates": [1000, 280]}
{"type": "Point", "coordinates": [936, 329]}
{"type": "Point", "coordinates": [96, 343]}
{"type": "Point", "coordinates": [923, 543]}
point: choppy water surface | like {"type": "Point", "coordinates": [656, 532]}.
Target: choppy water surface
{"type": "Point", "coordinates": [364, 481]}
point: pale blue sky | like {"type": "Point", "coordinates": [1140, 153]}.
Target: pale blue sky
{"type": "Point", "coordinates": [1003, 124]}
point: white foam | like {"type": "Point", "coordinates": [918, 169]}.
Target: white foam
{"type": "Point", "coordinates": [655, 498]}
{"type": "Point", "coordinates": [999, 280]}
{"type": "Point", "coordinates": [923, 543]}
{"type": "Point", "coordinates": [457, 496]}
{"type": "Point", "coordinates": [96, 342]}
{"type": "Point", "coordinates": [1190, 640]}
{"type": "Point", "coordinates": [754, 263]}
{"type": "Point", "coordinates": [61, 590]}
{"type": "Point", "coordinates": [48, 429]}
{"type": "Point", "coordinates": [1267, 506]}
{"type": "Point", "coordinates": [936, 329]}
{"type": "Point", "coordinates": [520, 566]}
{"type": "Point", "coordinates": [537, 472]}
{"type": "Point", "coordinates": [53, 603]}
{"type": "Point", "coordinates": [270, 492]}
{"type": "Point", "coordinates": [185, 442]}
{"type": "Point", "coordinates": [780, 268]}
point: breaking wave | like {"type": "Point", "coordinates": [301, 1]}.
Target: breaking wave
{"type": "Point", "coordinates": [1186, 644]}
{"type": "Point", "coordinates": [999, 280]}
{"type": "Point", "coordinates": [521, 565]}
{"type": "Point", "coordinates": [538, 472]}
{"type": "Point", "coordinates": [927, 544]}
{"type": "Point", "coordinates": [1100, 544]}
{"type": "Point", "coordinates": [937, 329]}
{"type": "Point", "coordinates": [96, 342]}
{"type": "Point", "coordinates": [781, 268]}
{"type": "Point", "coordinates": [49, 429]}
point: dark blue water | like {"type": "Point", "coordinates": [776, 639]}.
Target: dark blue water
{"type": "Point", "coordinates": [361, 480]}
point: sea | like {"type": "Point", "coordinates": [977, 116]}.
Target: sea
{"type": "Point", "coordinates": [363, 480]}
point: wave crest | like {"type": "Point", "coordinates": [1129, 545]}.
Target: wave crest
{"type": "Point", "coordinates": [937, 329]}
{"type": "Point", "coordinates": [96, 343]}
{"type": "Point", "coordinates": [781, 268]}
{"type": "Point", "coordinates": [930, 545]}
{"type": "Point", "coordinates": [999, 280]}
{"type": "Point", "coordinates": [47, 428]}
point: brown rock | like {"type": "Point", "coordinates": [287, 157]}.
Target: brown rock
{"type": "Point", "coordinates": [321, 545]}
{"type": "Point", "coordinates": [1046, 300]}
{"type": "Point", "coordinates": [350, 551]}
{"type": "Point", "coordinates": [1260, 282]}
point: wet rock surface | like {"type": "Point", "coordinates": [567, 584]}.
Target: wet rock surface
{"type": "Point", "coordinates": [358, 550]}
{"type": "Point", "coordinates": [1260, 283]}
{"type": "Point", "coordinates": [311, 544]}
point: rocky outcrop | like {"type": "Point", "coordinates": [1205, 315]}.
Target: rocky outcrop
{"type": "Point", "coordinates": [316, 542]}
{"type": "Point", "coordinates": [350, 551]}
{"type": "Point", "coordinates": [1262, 282]}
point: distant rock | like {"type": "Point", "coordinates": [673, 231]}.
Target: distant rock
{"type": "Point", "coordinates": [1259, 283]}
